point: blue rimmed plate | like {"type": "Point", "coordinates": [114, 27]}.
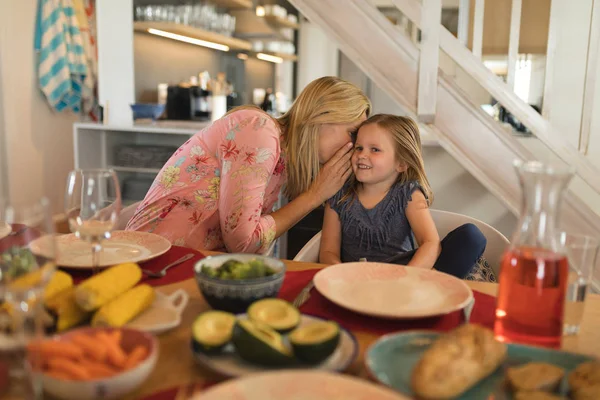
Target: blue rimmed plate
{"type": "Point", "coordinates": [229, 364]}
{"type": "Point", "coordinates": [392, 358]}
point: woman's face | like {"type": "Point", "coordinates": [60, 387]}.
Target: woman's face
{"type": "Point", "coordinates": [333, 136]}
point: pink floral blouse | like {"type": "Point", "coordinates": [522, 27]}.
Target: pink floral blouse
{"type": "Point", "coordinates": [217, 190]}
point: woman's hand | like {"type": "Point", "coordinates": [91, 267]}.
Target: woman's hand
{"type": "Point", "coordinates": [334, 173]}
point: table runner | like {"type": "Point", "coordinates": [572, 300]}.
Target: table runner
{"type": "Point", "coordinates": [175, 274]}
{"type": "Point", "coordinates": [318, 305]}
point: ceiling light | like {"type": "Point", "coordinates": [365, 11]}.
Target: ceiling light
{"type": "Point", "coordinates": [188, 39]}
{"type": "Point", "coordinates": [260, 11]}
{"type": "Point", "coordinates": [267, 57]}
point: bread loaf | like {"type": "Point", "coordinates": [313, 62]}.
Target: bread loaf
{"type": "Point", "coordinates": [456, 361]}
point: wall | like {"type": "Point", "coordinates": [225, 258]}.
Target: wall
{"type": "Point", "coordinates": [317, 54]}
{"type": "Point", "coordinates": [39, 144]}
{"type": "Point", "coordinates": [159, 60]}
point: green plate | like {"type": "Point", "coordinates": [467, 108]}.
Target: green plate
{"type": "Point", "coordinates": [391, 359]}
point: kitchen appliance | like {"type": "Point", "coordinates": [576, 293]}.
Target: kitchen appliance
{"type": "Point", "coordinates": [188, 103]}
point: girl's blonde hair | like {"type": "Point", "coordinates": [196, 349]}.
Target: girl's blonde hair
{"type": "Point", "coordinates": [326, 100]}
{"type": "Point", "coordinates": [407, 149]}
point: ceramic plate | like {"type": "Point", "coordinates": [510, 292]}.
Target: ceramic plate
{"type": "Point", "coordinates": [5, 229]}
{"type": "Point", "coordinates": [122, 247]}
{"type": "Point", "coordinates": [229, 364]}
{"type": "Point", "coordinates": [164, 314]}
{"type": "Point", "coordinates": [298, 385]}
{"type": "Point", "coordinates": [392, 291]}
{"type": "Point", "coordinates": [391, 359]}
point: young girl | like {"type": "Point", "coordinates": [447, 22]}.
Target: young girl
{"type": "Point", "coordinates": [382, 213]}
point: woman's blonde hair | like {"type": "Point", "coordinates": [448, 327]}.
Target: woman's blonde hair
{"type": "Point", "coordinates": [407, 149]}
{"type": "Point", "coordinates": [326, 100]}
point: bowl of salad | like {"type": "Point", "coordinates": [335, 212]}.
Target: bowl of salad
{"type": "Point", "coordinates": [231, 282]}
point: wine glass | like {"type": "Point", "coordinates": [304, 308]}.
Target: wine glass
{"type": "Point", "coordinates": [92, 205]}
{"type": "Point", "coordinates": [27, 263]}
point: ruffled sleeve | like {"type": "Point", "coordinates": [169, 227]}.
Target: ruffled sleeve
{"type": "Point", "coordinates": [403, 193]}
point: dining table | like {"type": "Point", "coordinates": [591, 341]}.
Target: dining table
{"type": "Point", "coordinates": [176, 367]}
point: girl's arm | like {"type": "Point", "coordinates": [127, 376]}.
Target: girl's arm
{"type": "Point", "coordinates": [425, 232]}
{"type": "Point", "coordinates": [331, 238]}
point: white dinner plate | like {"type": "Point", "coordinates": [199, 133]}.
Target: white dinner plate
{"type": "Point", "coordinates": [122, 247]}
{"type": "Point", "coordinates": [392, 291]}
{"type": "Point", "coordinates": [298, 385]}
{"type": "Point", "coordinates": [229, 364]}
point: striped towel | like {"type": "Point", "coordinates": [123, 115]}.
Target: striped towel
{"type": "Point", "coordinates": [62, 65]}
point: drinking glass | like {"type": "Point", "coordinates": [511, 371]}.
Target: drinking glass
{"type": "Point", "coordinates": [92, 205]}
{"type": "Point", "coordinates": [27, 263]}
{"type": "Point", "coordinates": [581, 251]}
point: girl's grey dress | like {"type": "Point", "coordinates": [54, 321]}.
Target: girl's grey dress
{"type": "Point", "coordinates": [379, 234]}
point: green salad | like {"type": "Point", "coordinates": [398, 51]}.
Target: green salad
{"type": "Point", "coordinates": [234, 269]}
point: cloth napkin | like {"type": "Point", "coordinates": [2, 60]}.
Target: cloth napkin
{"type": "Point", "coordinates": [319, 306]}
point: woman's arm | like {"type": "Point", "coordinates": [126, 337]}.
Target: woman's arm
{"type": "Point", "coordinates": [423, 227]}
{"type": "Point", "coordinates": [331, 178]}
{"type": "Point", "coordinates": [244, 181]}
{"type": "Point", "coordinates": [331, 237]}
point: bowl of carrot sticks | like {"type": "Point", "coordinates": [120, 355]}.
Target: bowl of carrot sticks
{"type": "Point", "coordinates": [94, 363]}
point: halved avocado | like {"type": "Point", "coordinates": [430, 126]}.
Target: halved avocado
{"type": "Point", "coordinates": [212, 330]}
{"type": "Point", "coordinates": [259, 344]}
{"type": "Point", "coordinates": [314, 342]}
{"type": "Point", "coordinates": [276, 313]}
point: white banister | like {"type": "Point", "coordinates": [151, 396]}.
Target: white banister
{"type": "Point", "coordinates": [500, 91]}
{"type": "Point", "coordinates": [478, 28]}
{"type": "Point", "coordinates": [429, 59]}
{"type": "Point", "coordinates": [463, 21]}
{"type": "Point", "coordinates": [591, 77]}
{"type": "Point", "coordinates": [513, 42]}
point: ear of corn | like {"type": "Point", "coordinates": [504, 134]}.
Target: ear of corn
{"type": "Point", "coordinates": [98, 290]}
{"type": "Point", "coordinates": [68, 313]}
{"type": "Point", "coordinates": [58, 282]}
{"type": "Point", "coordinates": [125, 307]}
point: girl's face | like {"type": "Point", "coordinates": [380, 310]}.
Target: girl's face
{"type": "Point", "coordinates": [374, 159]}
{"type": "Point", "coordinates": [333, 137]}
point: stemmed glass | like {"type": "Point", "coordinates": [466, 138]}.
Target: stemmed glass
{"type": "Point", "coordinates": [27, 263]}
{"type": "Point", "coordinates": [92, 205]}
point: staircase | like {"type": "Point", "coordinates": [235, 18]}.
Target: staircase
{"type": "Point", "coordinates": [390, 57]}
{"type": "Point", "coordinates": [485, 148]}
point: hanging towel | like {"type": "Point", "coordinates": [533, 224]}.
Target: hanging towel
{"type": "Point", "coordinates": [87, 91]}
{"type": "Point", "coordinates": [62, 65]}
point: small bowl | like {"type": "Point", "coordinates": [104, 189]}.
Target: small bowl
{"type": "Point", "coordinates": [236, 295]}
{"type": "Point", "coordinates": [114, 387]}
{"type": "Point", "coordinates": [147, 110]}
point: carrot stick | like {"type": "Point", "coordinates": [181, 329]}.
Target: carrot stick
{"type": "Point", "coordinates": [116, 335]}
{"type": "Point", "coordinates": [114, 352]}
{"type": "Point", "coordinates": [97, 369]}
{"type": "Point", "coordinates": [58, 374]}
{"type": "Point", "coordinates": [56, 348]}
{"type": "Point", "coordinates": [90, 347]}
{"type": "Point", "coordinates": [136, 355]}
{"type": "Point", "coordinates": [69, 367]}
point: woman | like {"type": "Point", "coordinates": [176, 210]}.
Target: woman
{"type": "Point", "coordinates": [217, 191]}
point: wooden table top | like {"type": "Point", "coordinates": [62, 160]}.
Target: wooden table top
{"type": "Point", "coordinates": [176, 366]}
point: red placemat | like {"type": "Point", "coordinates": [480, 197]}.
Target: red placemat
{"type": "Point", "coordinates": [177, 273]}
{"type": "Point", "coordinates": [317, 305]}
{"type": "Point", "coordinates": [171, 393]}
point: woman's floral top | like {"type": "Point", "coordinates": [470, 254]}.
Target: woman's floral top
{"type": "Point", "coordinates": [217, 190]}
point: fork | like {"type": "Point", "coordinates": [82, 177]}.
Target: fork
{"type": "Point", "coordinates": [304, 295]}
{"type": "Point", "coordinates": [163, 272]}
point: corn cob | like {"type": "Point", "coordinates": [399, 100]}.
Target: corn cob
{"type": "Point", "coordinates": [68, 313]}
{"type": "Point", "coordinates": [98, 290]}
{"type": "Point", "coordinates": [125, 307]}
{"type": "Point", "coordinates": [58, 282]}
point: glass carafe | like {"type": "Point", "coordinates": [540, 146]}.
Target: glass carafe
{"type": "Point", "coordinates": [534, 268]}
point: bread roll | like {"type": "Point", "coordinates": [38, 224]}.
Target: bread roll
{"type": "Point", "coordinates": [584, 381]}
{"type": "Point", "coordinates": [537, 395]}
{"type": "Point", "coordinates": [456, 361]}
{"type": "Point", "coordinates": [535, 376]}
